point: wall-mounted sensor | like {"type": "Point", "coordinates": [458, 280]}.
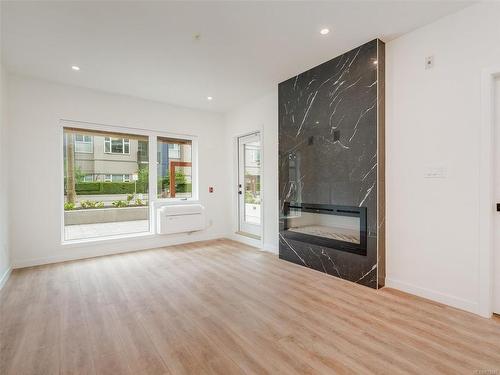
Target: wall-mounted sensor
{"type": "Point", "coordinates": [210, 189]}
{"type": "Point", "coordinates": [429, 62]}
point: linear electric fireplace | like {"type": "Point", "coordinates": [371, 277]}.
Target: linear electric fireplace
{"type": "Point", "coordinates": [337, 227]}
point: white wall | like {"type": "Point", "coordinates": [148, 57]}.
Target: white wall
{"type": "Point", "coordinates": [262, 115]}
{"type": "Point", "coordinates": [433, 120]}
{"type": "Point", "coordinates": [4, 221]}
{"type": "Point", "coordinates": [35, 108]}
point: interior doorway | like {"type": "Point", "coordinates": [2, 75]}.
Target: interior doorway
{"type": "Point", "coordinates": [249, 185]}
{"type": "Point", "coordinates": [496, 192]}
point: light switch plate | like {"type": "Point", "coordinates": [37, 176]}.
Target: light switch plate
{"type": "Point", "coordinates": [429, 62]}
{"type": "Point", "coordinates": [435, 172]}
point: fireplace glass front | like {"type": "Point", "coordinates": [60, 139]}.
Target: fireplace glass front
{"type": "Point", "coordinates": [338, 227]}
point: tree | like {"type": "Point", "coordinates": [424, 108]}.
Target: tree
{"type": "Point", "coordinates": [70, 157]}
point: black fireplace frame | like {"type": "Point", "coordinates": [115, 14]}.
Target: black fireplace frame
{"type": "Point", "coordinates": [328, 209]}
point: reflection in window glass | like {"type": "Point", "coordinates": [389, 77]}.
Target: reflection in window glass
{"type": "Point", "coordinates": [106, 184]}
{"type": "Point", "coordinates": [174, 168]}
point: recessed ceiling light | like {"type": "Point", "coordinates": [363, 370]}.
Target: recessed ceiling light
{"type": "Point", "coordinates": [74, 67]}
{"type": "Point", "coordinates": [324, 31]}
{"type": "Point", "coordinates": [209, 98]}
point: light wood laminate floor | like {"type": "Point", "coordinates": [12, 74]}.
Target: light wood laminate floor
{"type": "Point", "coordinates": [220, 307]}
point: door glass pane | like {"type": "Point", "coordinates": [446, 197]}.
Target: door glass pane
{"type": "Point", "coordinates": [252, 182]}
{"type": "Point", "coordinates": [174, 168]}
{"type": "Point", "coordinates": [105, 194]}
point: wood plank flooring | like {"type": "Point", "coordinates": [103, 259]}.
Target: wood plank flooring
{"type": "Point", "coordinates": [220, 307]}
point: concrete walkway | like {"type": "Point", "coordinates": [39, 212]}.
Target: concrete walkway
{"type": "Point", "coordinates": [84, 231]}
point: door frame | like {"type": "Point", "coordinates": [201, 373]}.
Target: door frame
{"type": "Point", "coordinates": [486, 198]}
{"type": "Point", "coordinates": [236, 225]}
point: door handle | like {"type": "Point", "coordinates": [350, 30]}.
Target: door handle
{"type": "Point", "coordinates": [498, 207]}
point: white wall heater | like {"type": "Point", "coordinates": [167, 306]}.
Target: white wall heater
{"type": "Point", "coordinates": [180, 218]}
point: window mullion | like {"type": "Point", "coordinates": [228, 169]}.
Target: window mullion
{"type": "Point", "coordinates": [153, 187]}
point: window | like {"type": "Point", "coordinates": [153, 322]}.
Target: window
{"type": "Point", "coordinates": [83, 143]}
{"type": "Point", "coordinates": [116, 145]}
{"type": "Point", "coordinates": [174, 174]}
{"type": "Point", "coordinates": [102, 201]}
{"type": "Point", "coordinates": [174, 151]}
{"type": "Point", "coordinates": [116, 178]}
{"type": "Point", "coordinates": [107, 191]}
{"type": "Point", "coordinates": [142, 151]}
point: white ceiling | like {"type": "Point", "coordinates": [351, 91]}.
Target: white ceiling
{"type": "Point", "coordinates": [148, 49]}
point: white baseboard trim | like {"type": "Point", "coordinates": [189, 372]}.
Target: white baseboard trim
{"type": "Point", "coordinates": [5, 277]}
{"type": "Point", "coordinates": [86, 251]}
{"type": "Point", "coordinates": [446, 299]}
{"type": "Point", "coordinates": [270, 248]}
{"type": "Point", "coordinates": [246, 240]}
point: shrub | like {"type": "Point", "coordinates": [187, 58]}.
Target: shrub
{"type": "Point", "coordinates": [68, 206]}
{"type": "Point", "coordinates": [183, 188]}
{"type": "Point", "coordinates": [83, 188]}
{"type": "Point", "coordinates": [91, 204]}
{"type": "Point", "coordinates": [95, 188]}
{"type": "Point", "coordinates": [130, 197]}
{"type": "Point", "coordinates": [139, 202]}
{"type": "Point", "coordinates": [88, 204]}
{"type": "Point", "coordinates": [118, 188]}
{"type": "Point", "coordinates": [119, 204]}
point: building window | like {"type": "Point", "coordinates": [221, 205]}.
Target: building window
{"type": "Point", "coordinates": [83, 144]}
{"type": "Point", "coordinates": [116, 145]}
{"type": "Point", "coordinates": [174, 174]}
{"type": "Point", "coordinates": [142, 151]}
{"type": "Point", "coordinates": [97, 203]}
{"type": "Point", "coordinates": [174, 151]}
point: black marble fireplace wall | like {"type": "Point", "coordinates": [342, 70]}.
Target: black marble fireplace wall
{"type": "Point", "coordinates": [331, 154]}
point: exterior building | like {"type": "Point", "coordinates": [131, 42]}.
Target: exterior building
{"type": "Point", "coordinates": [109, 159]}
{"type": "Point", "coordinates": [100, 158]}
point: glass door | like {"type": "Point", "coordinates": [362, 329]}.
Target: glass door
{"type": "Point", "coordinates": [249, 185]}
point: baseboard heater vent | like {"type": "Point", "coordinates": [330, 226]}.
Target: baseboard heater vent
{"type": "Point", "coordinates": [183, 218]}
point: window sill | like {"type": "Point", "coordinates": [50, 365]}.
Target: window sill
{"type": "Point", "coordinates": [172, 201]}
{"type": "Point", "coordinates": [107, 239]}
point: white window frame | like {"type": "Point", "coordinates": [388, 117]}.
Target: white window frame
{"type": "Point", "coordinates": [194, 169]}
{"type": "Point", "coordinates": [154, 201]}
{"type": "Point", "coordinates": [109, 141]}
{"type": "Point", "coordinates": [126, 178]}
{"type": "Point", "coordinates": [83, 142]}
{"type": "Point", "coordinates": [108, 179]}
